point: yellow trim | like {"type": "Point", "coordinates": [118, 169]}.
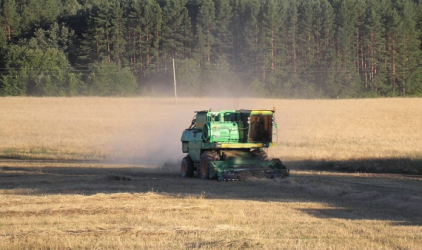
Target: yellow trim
{"type": "Point", "coordinates": [242, 145]}
{"type": "Point", "coordinates": [262, 112]}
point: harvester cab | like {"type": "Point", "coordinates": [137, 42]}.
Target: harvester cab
{"type": "Point", "coordinates": [222, 144]}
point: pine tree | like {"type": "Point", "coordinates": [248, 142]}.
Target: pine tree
{"type": "Point", "coordinates": [71, 7]}
{"type": "Point", "coordinates": [117, 37]}
{"type": "Point", "coordinates": [347, 81]}
{"type": "Point", "coordinates": [96, 44]}
{"type": "Point", "coordinates": [409, 71]}
{"type": "Point", "coordinates": [252, 52]}
{"type": "Point", "coordinates": [273, 53]}
{"type": "Point", "coordinates": [330, 48]}
{"type": "Point", "coordinates": [50, 11]}
{"type": "Point", "coordinates": [374, 53]}
{"type": "Point", "coordinates": [205, 31]}
{"type": "Point", "coordinates": [145, 21]}
{"type": "Point", "coordinates": [176, 37]}
{"type": "Point", "coordinates": [291, 39]}
{"type": "Point", "coordinates": [9, 18]}
{"type": "Point", "coordinates": [307, 35]}
{"type": "Point", "coordinates": [57, 36]}
{"type": "Point", "coordinates": [223, 37]}
{"type": "Point", "coordinates": [391, 22]}
{"type": "Point", "coordinates": [272, 21]}
{"type": "Point", "coordinates": [3, 42]}
{"type": "Point", "coordinates": [237, 28]}
{"type": "Point", "coordinates": [320, 46]}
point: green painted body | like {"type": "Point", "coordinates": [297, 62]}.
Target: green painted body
{"type": "Point", "coordinates": [235, 137]}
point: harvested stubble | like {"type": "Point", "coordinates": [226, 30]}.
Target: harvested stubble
{"type": "Point", "coordinates": [167, 221]}
{"type": "Point", "coordinates": [54, 201]}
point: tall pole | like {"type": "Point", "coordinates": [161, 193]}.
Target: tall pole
{"type": "Point", "coordinates": [174, 79]}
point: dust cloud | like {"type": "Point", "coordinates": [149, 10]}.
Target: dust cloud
{"type": "Point", "coordinates": [151, 135]}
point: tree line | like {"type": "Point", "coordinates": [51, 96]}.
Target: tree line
{"type": "Point", "coordinates": [274, 48]}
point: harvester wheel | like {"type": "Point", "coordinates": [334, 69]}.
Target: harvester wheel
{"type": "Point", "coordinates": [261, 154]}
{"type": "Point", "coordinates": [205, 165]}
{"type": "Point", "coordinates": [187, 167]}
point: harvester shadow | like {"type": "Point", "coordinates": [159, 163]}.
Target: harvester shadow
{"type": "Point", "coordinates": [375, 165]}
{"type": "Point", "coordinates": [395, 197]}
{"type": "Point", "coordinates": [361, 214]}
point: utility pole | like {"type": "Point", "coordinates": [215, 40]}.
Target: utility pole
{"type": "Point", "coordinates": [174, 79]}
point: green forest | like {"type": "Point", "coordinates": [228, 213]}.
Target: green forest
{"type": "Point", "coordinates": [259, 48]}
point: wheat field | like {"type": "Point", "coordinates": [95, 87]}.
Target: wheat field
{"type": "Point", "coordinates": [102, 173]}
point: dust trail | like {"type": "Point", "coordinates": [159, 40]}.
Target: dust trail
{"type": "Point", "coordinates": [151, 136]}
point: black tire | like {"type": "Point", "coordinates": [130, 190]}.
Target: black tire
{"type": "Point", "coordinates": [261, 154]}
{"type": "Point", "coordinates": [186, 169]}
{"type": "Point", "coordinates": [205, 165]}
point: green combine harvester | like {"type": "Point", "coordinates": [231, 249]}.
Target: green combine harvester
{"type": "Point", "coordinates": [222, 144]}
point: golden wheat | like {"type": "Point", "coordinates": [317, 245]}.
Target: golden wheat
{"type": "Point", "coordinates": [308, 129]}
